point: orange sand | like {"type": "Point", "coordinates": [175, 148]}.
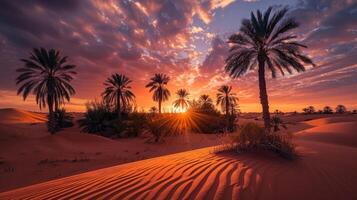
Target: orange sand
{"type": "Point", "coordinates": [325, 170]}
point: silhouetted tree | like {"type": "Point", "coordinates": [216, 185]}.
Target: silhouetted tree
{"type": "Point", "coordinates": [205, 102]}
{"type": "Point", "coordinates": [182, 99]}
{"type": "Point", "coordinates": [263, 42]}
{"type": "Point", "coordinates": [47, 75]}
{"type": "Point", "coordinates": [309, 110]}
{"type": "Point", "coordinates": [341, 109]}
{"type": "Point", "coordinates": [327, 110]}
{"type": "Point", "coordinates": [158, 85]}
{"type": "Point", "coordinates": [225, 98]}
{"type": "Point", "coordinates": [118, 92]}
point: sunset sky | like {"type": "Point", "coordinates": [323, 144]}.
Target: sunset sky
{"type": "Point", "coordinates": [185, 39]}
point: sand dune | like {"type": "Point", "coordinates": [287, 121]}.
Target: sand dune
{"type": "Point", "coordinates": [201, 174]}
{"type": "Point", "coordinates": [333, 130]}
{"type": "Point", "coordinates": [326, 168]}
{"type": "Point", "coordinates": [28, 151]}
{"type": "Point", "coordinates": [11, 115]}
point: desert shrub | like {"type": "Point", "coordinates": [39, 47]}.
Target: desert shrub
{"type": "Point", "coordinates": [208, 124]}
{"type": "Point", "coordinates": [232, 123]}
{"type": "Point", "coordinates": [97, 118]}
{"type": "Point", "coordinates": [60, 119]}
{"type": "Point", "coordinates": [276, 122]}
{"type": "Point", "coordinates": [131, 127]}
{"type": "Point", "coordinates": [138, 123]}
{"type": "Point", "coordinates": [156, 126]}
{"type": "Point", "coordinates": [253, 137]}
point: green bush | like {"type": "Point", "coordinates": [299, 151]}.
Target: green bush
{"type": "Point", "coordinates": [130, 127]}
{"type": "Point", "coordinates": [155, 126]}
{"type": "Point", "coordinates": [97, 118]}
{"type": "Point", "coordinates": [208, 124]}
{"type": "Point", "coordinates": [253, 137]}
{"type": "Point", "coordinates": [100, 119]}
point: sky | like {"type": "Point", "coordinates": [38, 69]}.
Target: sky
{"type": "Point", "coordinates": [185, 39]}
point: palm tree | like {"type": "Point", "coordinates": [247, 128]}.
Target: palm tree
{"type": "Point", "coordinates": [182, 99]}
{"type": "Point", "coordinates": [158, 85]}
{"type": "Point", "coordinates": [205, 100]}
{"type": "Point", "coordinates": [47, 75]}
{"type": "Point", "coordinates": [226, 98]}
{"type": "Point", "coordinates": [263, 41]}
{"type": "Point", "coordinates": [118, 92]}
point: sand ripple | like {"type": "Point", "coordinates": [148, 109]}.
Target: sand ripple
{"type": "Point", "coordinates": [200, 174]}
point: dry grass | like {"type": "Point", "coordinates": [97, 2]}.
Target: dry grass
{"type": "Point", "coordinates": [252, 137]}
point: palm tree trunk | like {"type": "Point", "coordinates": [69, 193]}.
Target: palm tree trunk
{"type": "Point", "coordinates": [56, 105]}
{"type": "Point", "coordinates": [51, 120]}
{"type": "Point", "coordinates": [263, 93]}
{"type": "Point", "coordinates": [118, 107]}
{"type": "Point", "coordinates": [159, 106]}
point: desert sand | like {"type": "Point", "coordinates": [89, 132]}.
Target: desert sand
{"type": "Point", "coordinates": [28, 151]}
{"type": "Point", "coordinates": [326, 168]}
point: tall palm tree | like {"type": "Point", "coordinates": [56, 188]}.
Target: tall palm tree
{"type": "Point", "coordinates": [47, 75]}
{"type": "Point", "coordinates": [226, 98]}
{"type": "Point", "coordinates": [263, 41]}
{"type": "Point", "coordinates": [182, 99]}
{"type": "Point", "coordinates": [158, 85]}
{"type": "Point", "coordinates": [118, 91]}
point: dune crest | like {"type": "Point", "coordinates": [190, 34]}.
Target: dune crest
{"type": "Point", "coordinates": [333, 130]}
{"type": "Point", "coordinates": [12, 115]}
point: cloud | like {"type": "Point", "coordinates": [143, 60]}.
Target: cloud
{"type": "Point", "coordinates": [140, 38]}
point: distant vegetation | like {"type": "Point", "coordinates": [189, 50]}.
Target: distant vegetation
{"type": "Point", "coordinates": [340, 109]}
{"type": "Point", "coordinates": [309, 110]}
{"type": "Point", "coordinates": [327, 110]}
{"type": "Point", "coordinates": [112, 116]}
